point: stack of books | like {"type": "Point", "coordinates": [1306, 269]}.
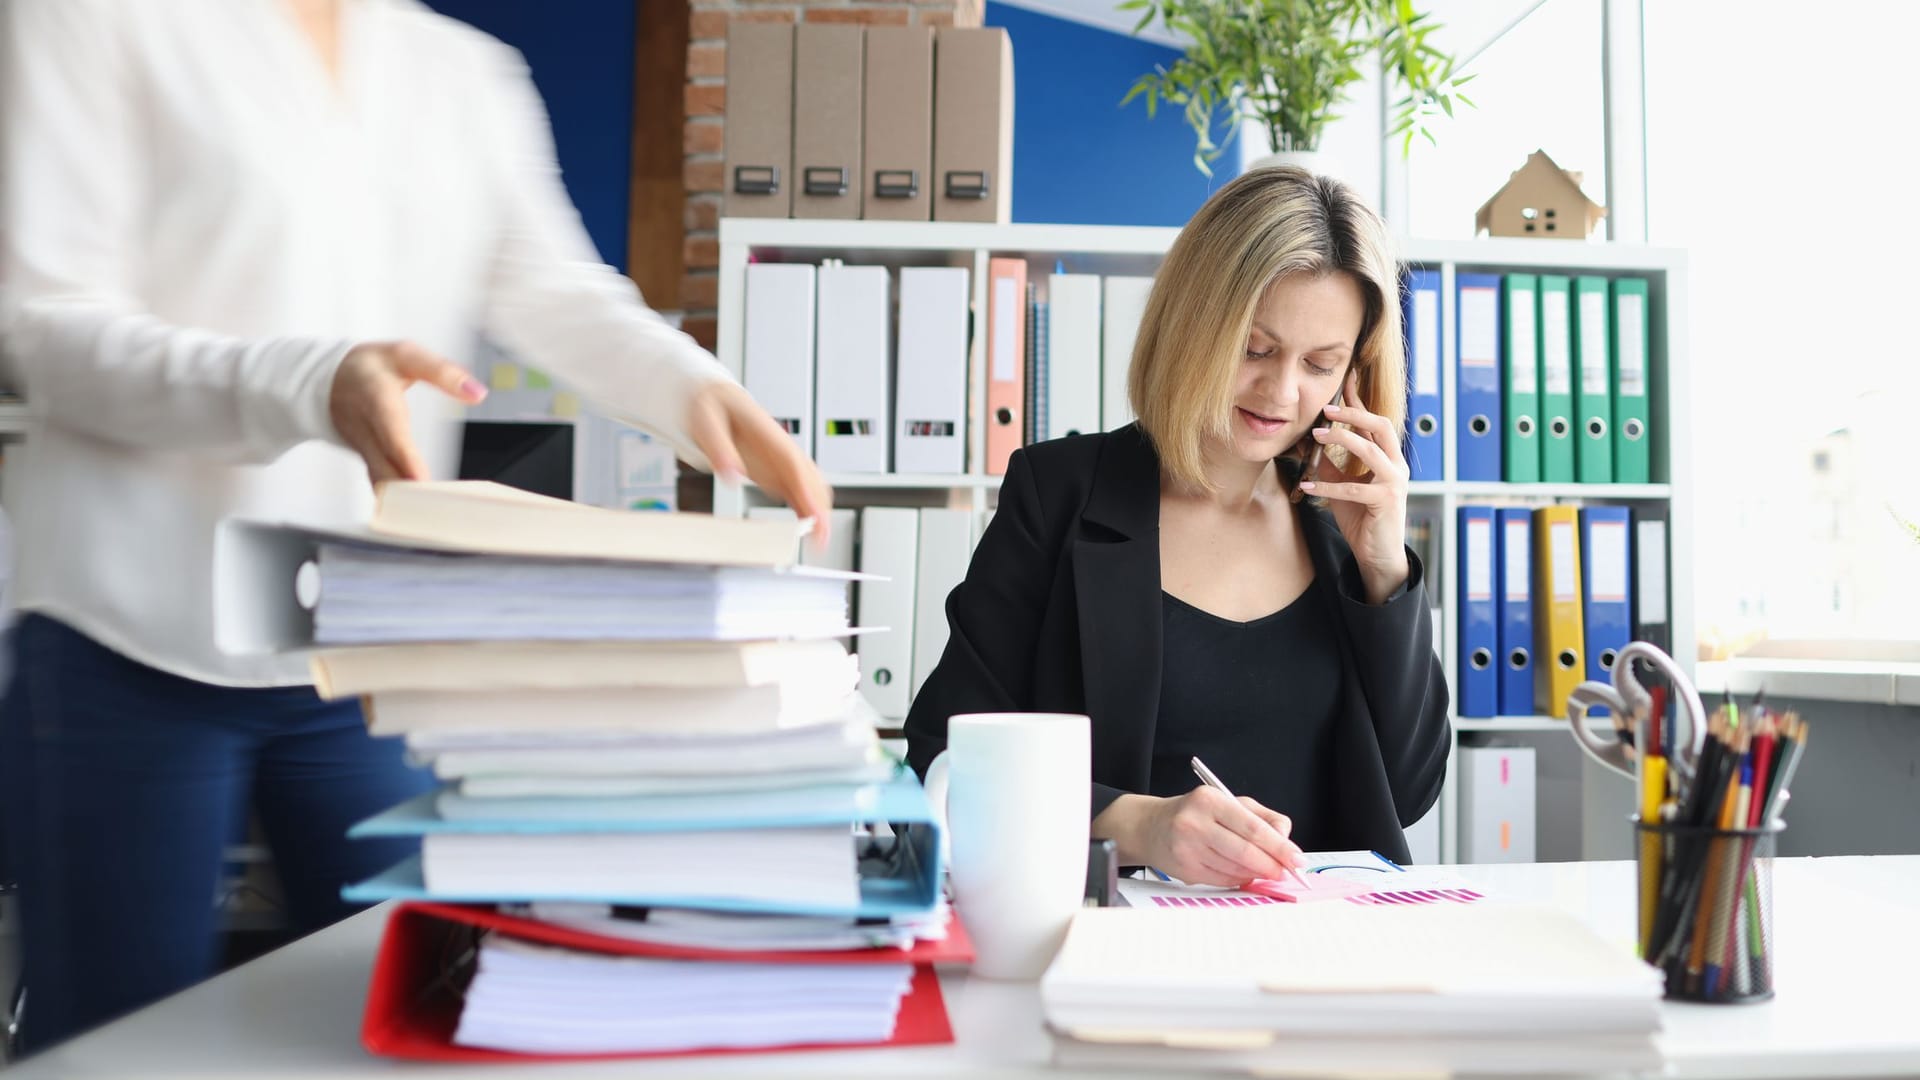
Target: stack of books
{"type": "Point", "coordinates": [666, 821]}
{"type": "Point", "coordinates": [1326, 987]}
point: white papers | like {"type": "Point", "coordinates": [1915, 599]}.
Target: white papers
{"type": "Point", "coordinates": [1324, 968]}
{"type": "Point", "coordinates": [367, 595]}
{"type": "Point", "coordinates": [533, 999]}
{"type": "Point", "coordinates": [1377, 986]}
{"type": "Point", "coordinates": [821, 747]}
{"type": "Point", "coordinates": [476, 791]}
{"type": "Point", "coordinates": [456, 716]}
{"type": "Point", "coordinates": [812, 866]}
{"type": "Point", "coordinates": [744, 932]}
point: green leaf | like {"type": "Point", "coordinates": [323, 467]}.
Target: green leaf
{"type": "Point", "coordinates": [1290, 65]}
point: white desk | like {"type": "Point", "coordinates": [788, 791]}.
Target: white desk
{"type": "Point", "coordinates": [1848, 967]}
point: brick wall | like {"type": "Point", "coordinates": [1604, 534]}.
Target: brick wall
{"type": "Point", "coordinates": [706, 103]}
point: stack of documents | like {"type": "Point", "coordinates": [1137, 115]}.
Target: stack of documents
{"type": "Point", "coordinates": [536, 999]}
{"type": "Point", "coordinates": [1482, 987]}
{"type": "Point", "coordinates": [581, 987]}
{"type": "Point", "coordinates": [366, 594]}
{"type": "Point", "coordinates": [650, 720]}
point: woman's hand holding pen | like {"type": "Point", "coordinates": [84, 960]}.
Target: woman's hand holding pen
{"type": "Point", "coordinates": [1203, 837]}
{"type": "Point", "coordinates": [1372, 509]}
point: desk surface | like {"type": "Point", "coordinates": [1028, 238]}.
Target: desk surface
{"type": "Point", "coordinates": [1848, 952]}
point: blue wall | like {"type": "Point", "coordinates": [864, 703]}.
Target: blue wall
{"type": "Point", "coordinates": [1078, 157]}
{"type": "Point", "coordinates": [581, 54]}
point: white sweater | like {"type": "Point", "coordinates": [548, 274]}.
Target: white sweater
{"type": "Point", "coordinates": [197, 222]}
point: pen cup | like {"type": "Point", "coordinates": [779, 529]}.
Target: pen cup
{"type": "Point", "coordinates": [1706, 909]}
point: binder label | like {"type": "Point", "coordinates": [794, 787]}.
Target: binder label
{"type": "Point", "coordinates": [1560, 541]}
{"type": "Point", "coordinates": [1556, 358]}
{"type": "Point", "coordinates": [1593, 344]}
{"type": "Point", "coordinates": [1632, 345]}
{"type": "Point", "coordinates": [1480, 559]}
{"type": "Point", "coordinates": [1006, 300]}
{"type": "Point", "coordinates": [1479, 327]}
{"type": "Point", "coordinates": [1607, 561]}
{"type": "Point", "coordinates": [1426, 342]}
{"type": "Point", "coordinates": [1522, 362]}
{"type": "Point", "coordinates": [1652, 543]}
{"type": "Point", "coordinates": [1519, 562]}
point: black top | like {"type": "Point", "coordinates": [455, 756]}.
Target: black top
{"type": "Point", "coordinates": [1060, 611]}
{"type": "Point", "coordinates": [1256, 701]}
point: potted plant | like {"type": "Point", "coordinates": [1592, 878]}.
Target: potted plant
{"type": "Point", "coordinates": [1288, 64]}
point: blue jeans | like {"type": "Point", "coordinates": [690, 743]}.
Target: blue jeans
{"type": "Point", "coordinates": [121, 786]}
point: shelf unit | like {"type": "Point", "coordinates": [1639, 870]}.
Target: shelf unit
{"type": "Point", "coordinates": [1138, 250]}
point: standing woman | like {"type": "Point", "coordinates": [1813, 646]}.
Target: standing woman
{"type": "Point", "coordinates": [1228, 577]}
{"type": "Point", "coordinates": [238, 240]}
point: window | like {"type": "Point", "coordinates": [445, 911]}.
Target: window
{"type": "Point", "coordinates": [1537, 86]}
{"type": "Point", "coordinates": [1765, 139]}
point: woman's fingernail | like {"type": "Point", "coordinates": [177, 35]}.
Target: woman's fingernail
{"type": "Point", "coordinates": [472, 388]}
{"type": "Point", "coordinates": [1332, 408]}
{"type": "Point", "coordinates": [1305, 485]}
{"type": "Point", "coordinates": [1321, 433]}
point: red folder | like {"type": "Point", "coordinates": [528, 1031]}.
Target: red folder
{"type": "Point", "coordinates": [413, 1005]}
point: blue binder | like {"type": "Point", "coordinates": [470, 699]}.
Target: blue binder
{"type": "Point", "coordinates": [1606, 582]}
{"type": "Point", "coordinates": [1514, 549]}
{"type": "Point", "coordinates": [1426, 424]}
{"type": "Point", "coordinates": [1479, 632]}
{"type": "Point", "coordinates": [1477, 367]}
{"type": "Point", "coordinates": [901, 877]}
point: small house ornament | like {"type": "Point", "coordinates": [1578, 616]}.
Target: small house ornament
{"type": "Point", "coordinates": [1540, 199]}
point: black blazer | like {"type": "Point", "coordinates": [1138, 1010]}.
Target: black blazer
{"type": "Point", "coordinates": [1060, 612]}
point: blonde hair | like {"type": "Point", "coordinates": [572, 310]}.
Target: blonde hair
{"type": "Point", "coordinates": [1269, 223]}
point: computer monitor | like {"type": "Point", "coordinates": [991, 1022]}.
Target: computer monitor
{"type": "Point", "coordinates": [531, 455]}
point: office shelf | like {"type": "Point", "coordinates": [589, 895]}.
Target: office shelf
{"type": "Point", "coordinates": [1130, 250]}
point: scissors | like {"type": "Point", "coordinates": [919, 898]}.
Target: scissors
{"type": "Point", "coordinates": [1632, 709]}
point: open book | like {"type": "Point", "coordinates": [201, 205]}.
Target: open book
{"type": "Point", "coordinates": [482, 516]}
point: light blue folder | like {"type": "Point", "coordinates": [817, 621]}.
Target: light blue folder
{"type": "Point", "coordinates": [902, 880]}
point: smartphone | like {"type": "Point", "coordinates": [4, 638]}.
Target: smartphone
{"type": "Point", "coordinates": [1319, 448]}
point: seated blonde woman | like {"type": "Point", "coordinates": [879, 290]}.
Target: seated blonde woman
{"type": "Point", "coordinates": [1227, 577]}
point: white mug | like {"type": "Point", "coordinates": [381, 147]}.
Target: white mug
{"type": "Point", "coordinates": [1016, 818]}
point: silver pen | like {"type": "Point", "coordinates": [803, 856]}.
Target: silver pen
{"type": "Point", "coordinates": [1206, 777]}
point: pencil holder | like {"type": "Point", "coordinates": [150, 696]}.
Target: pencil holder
{"type": "Point", "coordinates": [1706, 909]}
